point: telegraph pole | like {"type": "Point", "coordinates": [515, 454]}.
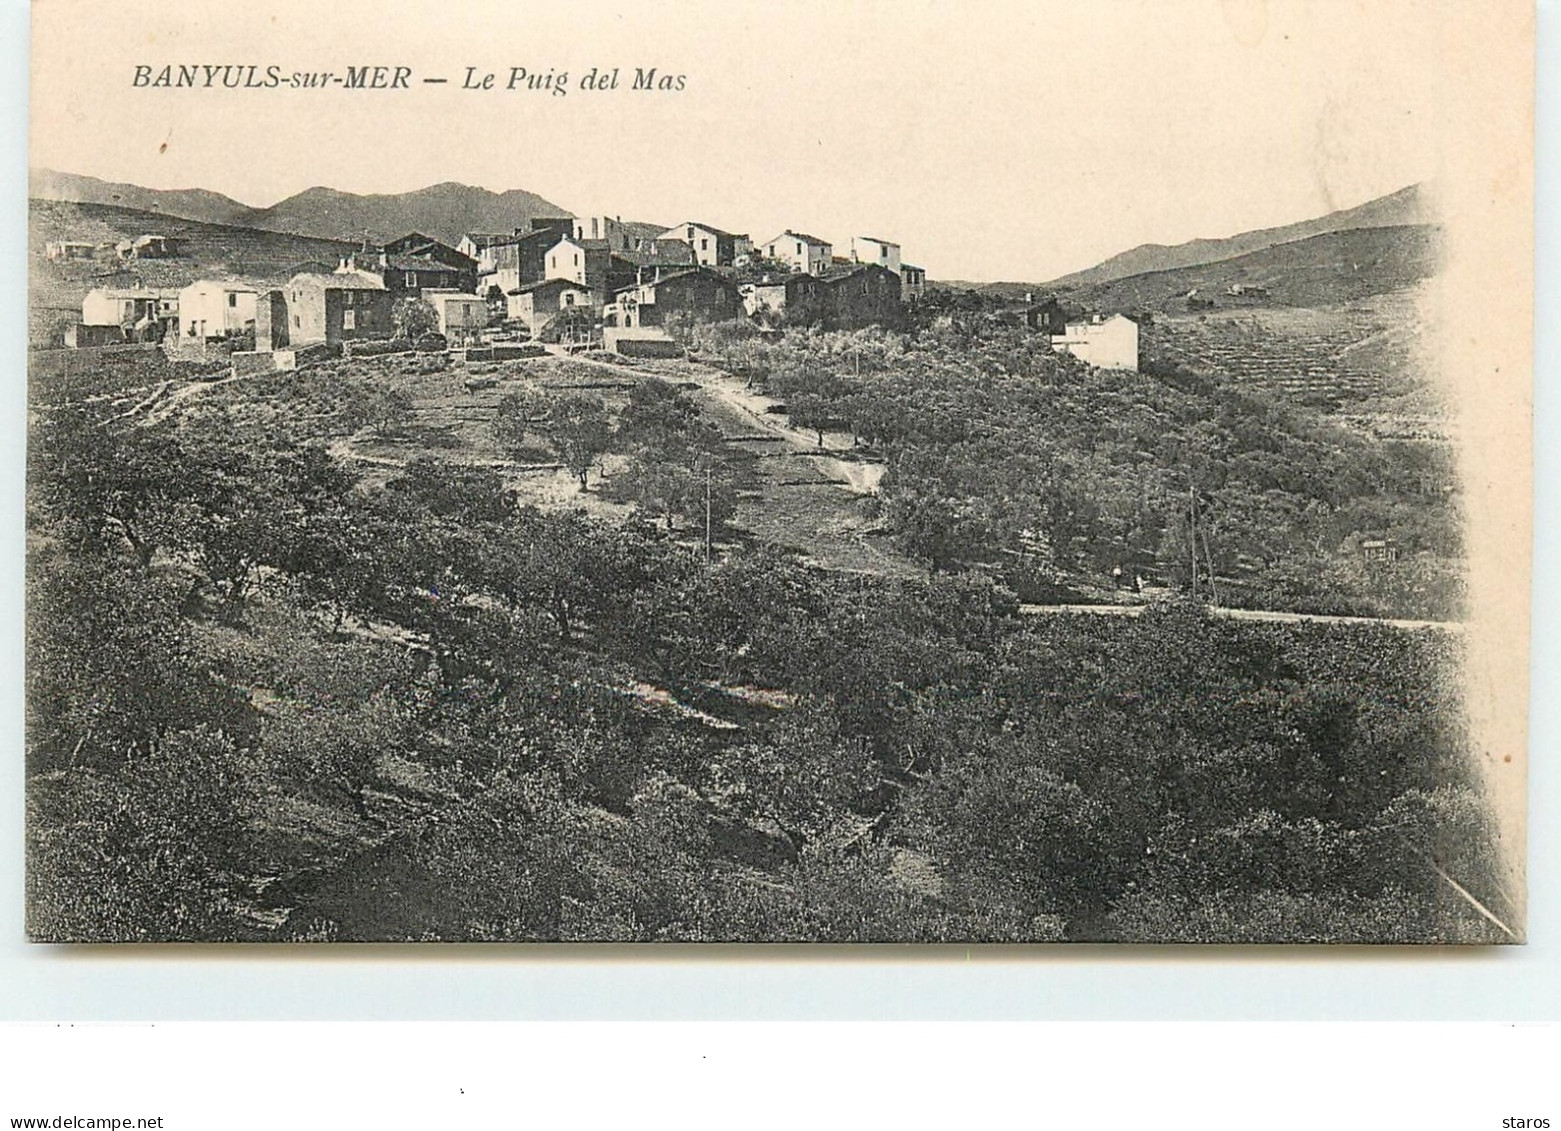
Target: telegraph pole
{"type": "Point", "coordinates": [1192, 534]}
{"type": "Point", "coordinates": [707, 516]}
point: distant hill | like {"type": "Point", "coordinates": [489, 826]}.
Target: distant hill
{"type": "Point", "coordinates": [445, 211]}
{"type": "Point", "coordinates": [1323, 270]}
{"type": "Point", "coordinates": [188, 204]}
{"type": "Point", "coordinates": [1407, 206]}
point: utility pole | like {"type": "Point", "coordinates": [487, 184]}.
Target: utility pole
{"type": "Point", "coordinates": [707, 516]}
{"type": "Point", "coordinates": [1192, 534]}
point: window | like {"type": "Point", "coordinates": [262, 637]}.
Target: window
{"type": "Point", "coordinates": [232, 299]}
{"type": "Point", "coordinates": [799, 248]}
{"type": "Point", "coordinates": [349, 320]}
{"type": "Point", "coordinates": [411, 280]}
{"type": "Point", "coordinates": [690, 233]}
{"type": "Point", "coordinates": [296, 322]}
{"type": "Point", "coordinates": [704, 245]}
{"type": "Point", "coordinates": [347, 297]}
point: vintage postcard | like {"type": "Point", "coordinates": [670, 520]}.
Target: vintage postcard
{"type": "Point", "coordinates": [993, 472]}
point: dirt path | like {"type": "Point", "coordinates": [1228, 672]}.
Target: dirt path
{"type": "Point", "coordinates": [1268, 615]}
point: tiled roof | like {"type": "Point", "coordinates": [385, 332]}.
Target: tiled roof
{"type": "Point", "coordinates": [678, 254]}
{"type": "Point", "coordinates": [419, 263]}
{"type": "Point", "coordinates": [529, 287]}
{"type": "Point", "coordinates": [711, 228]}
{"type": "Point", "coordinates": [803, 236]}
{"type": "Point", "coordinates": [341, 280]}
{"type": "Point", "coordinates": [666, 278]}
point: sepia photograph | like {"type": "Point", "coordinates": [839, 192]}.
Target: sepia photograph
{"type": "Point", "coordinates": [1043, 472]}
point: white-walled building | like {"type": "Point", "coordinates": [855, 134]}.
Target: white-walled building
{"type": "Point", "coordinates": [125, 306]}
{"type": "Point", "coordinates": [462, 317]}
{"type": "Point", "coordinates": [798, 250]}
{"type": "Point", "coordinates": [712, 247]}
{"type": "Point", "coordinates": [565, 260]}
{"type": "Point", "coordinates": [866, 249]}
{"type": "Point", "coordinates": [1110, 343]}
{"type": "Point", "coordinates": [213, 309]}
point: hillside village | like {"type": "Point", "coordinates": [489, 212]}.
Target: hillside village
{"type": "Point", "coordinates": [581, 578]}
{"type": "Point", "coordinates": [577, 283]}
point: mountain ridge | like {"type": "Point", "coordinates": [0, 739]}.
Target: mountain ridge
{"type": "Point", "coordinates": [1408, 206]}
{"type": "Point", "coordinates": [446, 211]}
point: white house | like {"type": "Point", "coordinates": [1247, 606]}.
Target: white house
{"type": "Point", "coordinates": [1110, 343]}
{"type": "Point", "coordinates": [799, 250]}
{"type": "Point", "coordinates": [70, 249]}
{"type": "Point", "coordinates": [462, 317]}
{"type": "Point", "coordinates": [565, 260]}
{"type": "Point", "coordinates": [479, 246]}
{"type": "Point", "coordinates": [212, 309]}
{"type": "Point", "coordinates": [866, 249]}
{"type": "Point", "coordinates": [712, 247]}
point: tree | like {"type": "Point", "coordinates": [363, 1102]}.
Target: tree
{"type": "Point", "coordinates": [387, 411]}
{"type": "Point", "coordinates": [811, 411]}
{"type": "Point", "coordinates": [518, 416]}
{"type": "Point", "coordinates": [413, 317]}
{"type": "Point", "coordinates": [581, 433]}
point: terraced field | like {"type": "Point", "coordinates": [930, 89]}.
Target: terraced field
{"type": "Point", "coordinates": [1331, 356]}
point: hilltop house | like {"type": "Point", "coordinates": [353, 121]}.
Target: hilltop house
{"type": "Point", "coordinates": [1109, 343]}
{"type": "Point", "coordinates": [865, 295]}
{"type": "Point", "coordinates": [70, 249]}
{"type": "Point", "coordinates": [462, 316]}
{"type": "Point", "coordinates": [212, 309]}
{"type": "Point", "coordinates": [341, 306]}
{"type": "Point", "coordinates": [577, 260]}
{"type": "Point", "coordinates": [477, 246]}
{"type": "Point", "coordinates": [712, 247]}
{"type": "Point", "coordinates": [147, 247]}
{"type": "Point", "coordinates": [144, 314]}
{"type": "Point", "coordinates": [621, 235]}
{"type": "Point", "coordinates": [799, 251]}
{"type": "Point", "coordinates": [798, 298]}
{"type": "Point", "coordinates": [699, 292]}
{"type": "Point", "coordinates": [521, 259]}
{"type": "Point", "coordinates": [866, 249]}
{"type": "Point", "coordinates": [1047, 316]}
{"type": "Point", "coordinates": [416, 263]}
{"type": "Point", "coordinates": [913, 283]}
{"type": "Point", "coordinates": [537, 304]}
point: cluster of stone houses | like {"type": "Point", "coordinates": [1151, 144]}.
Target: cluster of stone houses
{"type": "Point", "coordinates": [563, 273]}
{"type": "Point", "coordinates": [569, 277]}
{"type": "Point", "coordinates": [564, 278]}
{"type": "Point", "coordinates": [146, 246]}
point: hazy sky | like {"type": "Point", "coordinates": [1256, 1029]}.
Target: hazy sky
{"type": "Point", "coordinates": [993, 140]}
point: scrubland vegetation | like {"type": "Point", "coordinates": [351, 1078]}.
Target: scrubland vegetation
{"type": "Point", "coordinates": [355, 653]}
